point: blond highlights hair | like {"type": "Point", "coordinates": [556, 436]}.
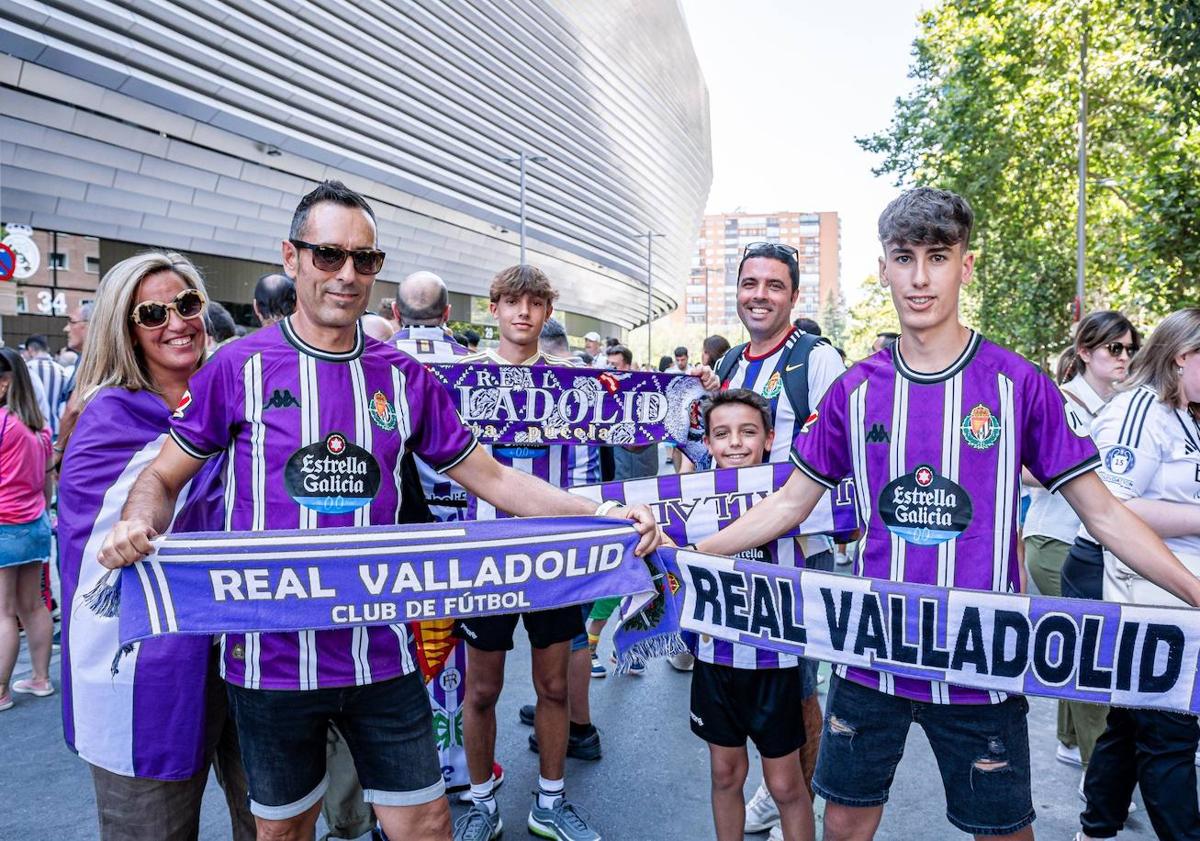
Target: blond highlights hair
{"type": "Point", "coordinates": [111, 359]}
{"type": "Point", "coordinates": [522, 280]}
{"type": "Point", "coordinates": [1155, 364]}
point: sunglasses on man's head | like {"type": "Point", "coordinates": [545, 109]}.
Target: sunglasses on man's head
{"type": "Point", "coordinates": [1116, 349]}
{"type": "Point", "coordinates": [330, 258]}
{"type": "Point", "coordinates": [777, 250]}
{"type": "Point", "coordinates": [153, 315]}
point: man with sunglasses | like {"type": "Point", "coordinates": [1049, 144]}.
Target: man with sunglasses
{"type": "Point", "coordinates": [791, 370]}
{"type": "Point", "coordinates": [294, 404]}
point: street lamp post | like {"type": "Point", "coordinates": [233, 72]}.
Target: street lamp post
{"type": "Point", "coordinates": [1081, 211]}
{"type": "Point", "coordinates": [521, 158]}
{"type": "Point", "coordinates": [650, 237]}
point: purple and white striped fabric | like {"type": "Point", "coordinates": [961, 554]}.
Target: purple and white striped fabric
{"type": "Point", "coordinates": [147, 719]}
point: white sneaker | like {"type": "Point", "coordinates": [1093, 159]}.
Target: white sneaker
{"type": "Point", "coordinates": [1132, 803]}
{"type": "Point", "coordinates": [683, 662]}
{"type": "Point", "coordinates": [1068, 755]}
{"type": "Point", "coordinates": [776, 834]}
{"type": "Point", "coordinates": [761, 811]}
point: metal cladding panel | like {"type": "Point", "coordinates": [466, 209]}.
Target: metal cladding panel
{"type": "Point", "coordinates": [234, 108]}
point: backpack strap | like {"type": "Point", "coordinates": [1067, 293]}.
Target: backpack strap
{"type": "Point", "coordinates": [729, 361]}
{"type": "Point", "coordinates": [795, 374]}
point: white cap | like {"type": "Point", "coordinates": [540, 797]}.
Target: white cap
{"type": "Point", "coordinates": [593, 336]}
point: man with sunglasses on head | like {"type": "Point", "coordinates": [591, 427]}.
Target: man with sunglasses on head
{"type": "Point", "coordinates": [314, 385]}
{"type": "Point", "coordinates": [791, 370]}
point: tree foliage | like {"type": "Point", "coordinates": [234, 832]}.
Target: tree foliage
{"type": "Point", "coordinates": [993, 115]}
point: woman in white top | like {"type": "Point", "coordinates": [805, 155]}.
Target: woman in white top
{"type": "Point", "coordinates": [1149, 441]}
{"type": "Point", "coordinates": [1088, 374]}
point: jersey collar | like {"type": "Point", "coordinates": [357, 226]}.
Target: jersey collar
{"type": "Point", "coordinates": [937, 376]}
{"type": "Point", "coordinates": [328, 356]}
{"type": "Point", "coordinates": [750, 357]}
{"type": "Point", "coordinates": [1080, 388]}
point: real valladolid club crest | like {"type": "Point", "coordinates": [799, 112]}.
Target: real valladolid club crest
{"type": "Point", "coordinates": [382, 413]}
{"type": "Point", "coordinates": [980, 428]}
{"type": "Point", "coordinates": [773, 387]}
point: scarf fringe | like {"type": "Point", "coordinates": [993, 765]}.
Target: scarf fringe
{"type": "Point", "coordinates": [116, 661]}
{"type": "Point", "coordinates": [664, 645]}
{"type": "Point", "coordinates": [105, 598]}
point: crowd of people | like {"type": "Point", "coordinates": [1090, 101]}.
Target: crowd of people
{"type": "Point", "coordinates": [162, 414]}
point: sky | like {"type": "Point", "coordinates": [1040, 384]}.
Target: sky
{"type": "Point", "coordinates": [791, 83]}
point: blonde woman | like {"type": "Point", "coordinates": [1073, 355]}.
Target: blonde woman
{"type": "Point", "coordinates": [1149, 440]}
{"type": "Point", "coordinates": [148, 721]}
{"type": "Point", "coordinates": [24, 529]}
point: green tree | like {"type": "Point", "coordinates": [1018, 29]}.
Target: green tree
{"type": "Point", "coordinates": [993, 116]}
{"type": "Point", "coordinates": [870, 315]}
{"type": "Point", "coordinates": [833, 319]}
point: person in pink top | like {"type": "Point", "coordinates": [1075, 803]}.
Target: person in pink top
{"type": "Point", "coordinates": [24, 529]}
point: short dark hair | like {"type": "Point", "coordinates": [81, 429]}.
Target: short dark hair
{"type": "Point", "coordinates": [743, 396]}
{"type": "Point", "coordinates": [275, 295]}
{"type": "Point", "coordinates": [471, 336]}
{"type": "Point", "coordinates": [681, 351]}
{"type": "Point", "coordinates": [664, 363]}
{"type": "Point", "coordinates": [553, 329]}
{"type": "Point", "coordinates": [522, 280]}
{"type": "Point", "coordinates": [623, 351]}
{"type": "Point", "coordinates": [715, 346]}
{"type": "Point", "coordinates": [37, 342]}
{"type": "Point", "coordinates": [218, 323]}
{"type": "Point", "coordinates": [808, 325]}
{"type": "Point", "coordinates": [927, 216]}
{"type": "Point", "coordinates": [327, 191]}
{"type": "Point", "coordinates": [771, 251]}
{"type": "Point", "coordinates": [612, 341]}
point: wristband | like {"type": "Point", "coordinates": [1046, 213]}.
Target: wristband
{"type": "Point", "coordinates": [603, 509]}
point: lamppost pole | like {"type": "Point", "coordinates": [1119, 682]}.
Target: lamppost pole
{"type": "Point", "coordinates": [520, 159]}
{"type": "Point", "coordinates": [650, 236]}
{"type": "Point", "coordinates": [1081, 214]}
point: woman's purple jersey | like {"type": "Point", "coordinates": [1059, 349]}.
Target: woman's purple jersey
{"type": "Point", "coordinates": [314, 440]}
{"type": "Point", "coordinates": [936, 460]}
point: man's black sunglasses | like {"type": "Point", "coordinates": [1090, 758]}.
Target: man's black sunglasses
{"type": "Point", "coordinates": [330, 258]}
{"type": "Point", "coordinates": [776, 250]}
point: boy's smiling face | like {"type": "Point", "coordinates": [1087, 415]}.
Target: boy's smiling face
{"type": "Point", "coordinates": [736, 435]}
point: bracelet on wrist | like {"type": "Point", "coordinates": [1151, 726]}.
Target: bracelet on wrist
{"type": "Point", "coordinates": [605, 507]}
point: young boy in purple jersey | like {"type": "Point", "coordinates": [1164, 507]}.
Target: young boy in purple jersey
{"type": "Point", "coordinates": [935, 430]}
{"type": "Point", "coordinates": [739, 691]}
{"type": "Point", "coordinates": [312, 419]}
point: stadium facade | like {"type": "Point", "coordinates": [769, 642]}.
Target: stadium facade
{"type": "Point", "coordinates": [196, 125]}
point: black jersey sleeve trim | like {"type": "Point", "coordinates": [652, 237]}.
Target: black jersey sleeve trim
{"type": "Point", "coordinates": [1056, 482]}
{"type": "Point", "coordinates": [192, 451]}
{"type": "Point", "coordinates": [442, 468]}
{"type": "Point", "coordinates": [811, 472]}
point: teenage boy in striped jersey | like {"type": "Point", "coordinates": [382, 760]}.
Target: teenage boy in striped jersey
{"type": "Point", "coordinates": [296, 405]}
{"type": "Point", "coordinates": [935, 431]}
{"type": "Point", "coordinates": [739, 691]}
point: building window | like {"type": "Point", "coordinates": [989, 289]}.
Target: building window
{"type": "Point", "coordinates": [58, 260]}
{"type": "Point", "coordinates": [92, 264]}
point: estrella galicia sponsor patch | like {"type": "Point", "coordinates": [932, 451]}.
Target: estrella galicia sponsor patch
{"type": "Point", "coordinates": [773, 387]}
{"type": "Point", "coordinates": [382, 413]}
{"type": "Point", "coordinates": [1119, 460]}
{"type": "Point", "coordinates": [980, 428]}
{"type": "Point", "coordinates": [332, 476]}
{"type": "Point", "coordinates": [184, 402]}
{"type": "Point", "coordinates": [925, 508]}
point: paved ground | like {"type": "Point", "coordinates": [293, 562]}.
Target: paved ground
{"type": "Point", "coordinates": [651, 784]}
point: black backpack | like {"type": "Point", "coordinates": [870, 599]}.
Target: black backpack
{"type": "Point", "coordinates": [795, 371]}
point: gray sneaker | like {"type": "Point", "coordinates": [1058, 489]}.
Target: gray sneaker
{"type": "Point", "coordinates": [562, 822]}
{"type": "Point", "coordinates": [478, 824]}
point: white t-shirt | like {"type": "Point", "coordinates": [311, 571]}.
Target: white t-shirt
{"type": "Point", "coordinates": [1050, 515]}
{"type": "Point", "coordinates": [1150, 450]}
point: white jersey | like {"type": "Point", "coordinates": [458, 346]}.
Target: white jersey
{"type": "Point", "coordinates": [446, 498]}
{"type": "Point", "coordinates": [1150, 450]}
{"type": "Point", "coordinates": [764, 376]}
{"type": "Point", "coordinates": [1050, 515]}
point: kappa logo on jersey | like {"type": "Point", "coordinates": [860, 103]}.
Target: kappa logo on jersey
{"type": "Point", "coordinates": [810, 420]}
{"type": "Point", "coordinates": [1119, 460]}
{"type": "Point", "coordinates": [281, 398]}
{"type": "Point", "coordinates": [332, 476]}
{"type": "Point", "coordinates": [382, 413]}
{"type": "Point", "coordinates": [925, 508]}
{"type": "Point", "coordinates": [239, 652]}
{"type": "Point", "coordinates": [878, 434]}
{"type": "Point", "coordinates": [980, 428]}
{"type": "Point", "coordinates": [773, 387]}
{"type": "Point", "coordinates": [184, 402]}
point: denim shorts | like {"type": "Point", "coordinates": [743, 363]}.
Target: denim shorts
{"type": "Point", "coordinates": [25, 543]}
{"type": "Point", "coordinates": [982, 752]}
{"type": "Point", "coordinates": [388, 727]}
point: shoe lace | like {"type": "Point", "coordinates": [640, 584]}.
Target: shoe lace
{"type": "Point", "coordinates": [572, 815]}
{"type": "Point", "coordinates": [475, 820]}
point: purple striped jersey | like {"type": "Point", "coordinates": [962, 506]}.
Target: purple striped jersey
{"type": "Point", "coordinates": [936, 460]}
{"type": "Point", "coordinates": [315, 439]}
{"type": "Point", "coordinates": [446, 498]}
{"type": "Point", "coordinates": [561, 466]}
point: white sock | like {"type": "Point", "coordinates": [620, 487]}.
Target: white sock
{"type": "Point", "coordinates": [549, 792]}
{"type": "Point", "coordinates": [483, 794]}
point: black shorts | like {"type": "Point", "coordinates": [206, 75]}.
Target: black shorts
{"type": "Point", "coordinates": [729, 705]}
{"type": "Point", "coordinates": [544, 627]}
